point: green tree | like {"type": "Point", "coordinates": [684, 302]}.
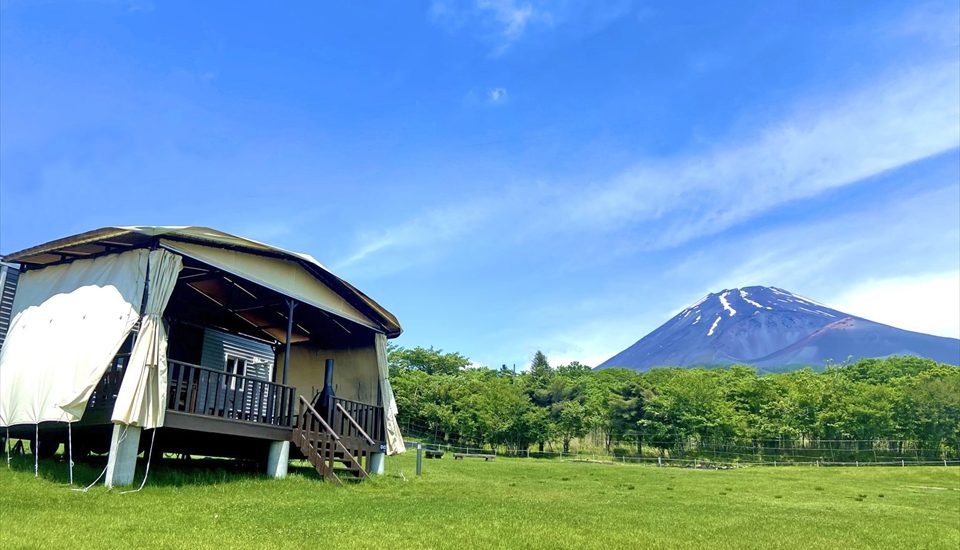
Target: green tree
{"type": "Point", "coordinates": [540, 372]}
{"type": "Point", "coordinates": [570, 419]}
{"type": "Point", "coordinates": [430, 361]}
{"type": "Point", "coordinates": [911, 399]}
{"type": "Point", "coordinates": [930, 409]}
{"type": "Point", "coordinates": [626, 408]}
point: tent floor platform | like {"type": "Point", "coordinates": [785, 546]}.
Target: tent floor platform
{"type": "Point", "coordinates": [189, 422]}
{"type": "Point", "coordinates": [182, 434]}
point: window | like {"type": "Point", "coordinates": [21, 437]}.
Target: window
{"type": "Point", "coordinates": [236, 366]}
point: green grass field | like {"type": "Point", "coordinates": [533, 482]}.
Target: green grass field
{"type": "Point", "coordinates": [524, 503]}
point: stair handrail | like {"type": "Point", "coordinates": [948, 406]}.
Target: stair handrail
{"type": "Point", "coordinates": [323, 422]}
{"type": "Point", "coordinates": [330, 432]}
{"type": "Point", "coordinates": [355, 424]}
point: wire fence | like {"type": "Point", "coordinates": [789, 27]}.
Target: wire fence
{"type": "Point", "coordinates": [717, 454]}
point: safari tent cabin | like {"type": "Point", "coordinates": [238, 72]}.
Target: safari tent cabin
{"type": "Point", "coordinates": [213, 344]}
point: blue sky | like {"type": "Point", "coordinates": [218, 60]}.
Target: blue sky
{"type": "Point", "coordinates": [508, 176]}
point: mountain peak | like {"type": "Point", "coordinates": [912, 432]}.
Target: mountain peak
{"type": "Point", "coordinates": [770, 326]}
{"type": "Point", "coordinates": [750, 301]}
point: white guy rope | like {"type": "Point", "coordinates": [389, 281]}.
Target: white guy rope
{"type": "Point", "coordinates": [120, 439]}
{"type": "Point", "coordinates": [146, 471]}
{"type": "Point", "coordinates": [70, 449]}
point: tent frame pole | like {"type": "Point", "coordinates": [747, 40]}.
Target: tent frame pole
{"type": "Point", "coordinates": [291, 304]}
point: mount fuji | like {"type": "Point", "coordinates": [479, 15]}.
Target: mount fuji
{"type": "Point", "coordinates": [773, 330]}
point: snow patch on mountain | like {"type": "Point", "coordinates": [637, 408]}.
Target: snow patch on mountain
{"type": "Point", "coordinates": [745, 296]}
{"type": "Point", "coordinates": [816, 311]}
{"type": "Point", "coordinates": [808, 300]}
{"type": "Point", "coordinates": [714, 326]}
{"type": "Point", "coordinates": [726, 304]}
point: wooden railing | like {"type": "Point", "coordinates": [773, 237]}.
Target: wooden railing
{"type": "Point", "coordinates": [210, 392]}
{"type": "Point", "coordinates": [105, 393]}
{"type": "Point", "coordinates": [358, 420]}
{"type": "Point", "coordinates": [354, 430]}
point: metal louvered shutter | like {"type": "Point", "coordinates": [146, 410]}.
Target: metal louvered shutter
{"type": "Point", "coordinates": [9, 276]}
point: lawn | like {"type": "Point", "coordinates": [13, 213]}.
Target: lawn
{"type": "Point", "coordinates": [515, 503]}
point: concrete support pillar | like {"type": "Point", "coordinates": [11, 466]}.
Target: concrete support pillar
{"type": "Point", "coordinates": [376, 463]}
{"type": "Point", "coordinates": [122, 462]}
{"type": "Point", "coordinates": [277, 459]}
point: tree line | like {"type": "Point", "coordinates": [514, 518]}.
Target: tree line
{"type": "Point", "coordinates": [896, 403]}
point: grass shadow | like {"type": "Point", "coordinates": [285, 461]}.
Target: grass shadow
{"type": "Point", "coordinates": [164, 471]}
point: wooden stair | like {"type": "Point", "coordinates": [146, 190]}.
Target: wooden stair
{"type": "Point", "coordinates": [326, 449]}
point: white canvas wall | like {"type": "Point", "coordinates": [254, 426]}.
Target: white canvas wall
{"type": "Point", "coordinates": [68, 322]}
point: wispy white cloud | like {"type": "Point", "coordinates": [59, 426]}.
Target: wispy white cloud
{"type": "Point", "coordinates": [497, 95]}
{"type": "Point", "coordinates": [822, 145]}
{"type": "Point", "coordinates": [904, 236]}
{"type": "Point", "coordinates": [513, 17]}
{"type": "Point", "coordinates": [831, 143]}
{"type": "Point", "coordinates": [594, 340]}
{"type": "Point", "coordinates": [503, 21]}
{"type": "Point", "coordinates": [418, 238]}
{"type": "Point", "coordinates": [928, 302]}
{"type": "Point", "coordinates": [932, 22]}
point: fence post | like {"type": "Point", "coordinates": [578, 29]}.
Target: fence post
{"type": "Point", "coordinates": [902, 462]}
{"type": "Point", "coordinates": [659, 461]}
{"type": "Point", "coordinates": [419, 458]}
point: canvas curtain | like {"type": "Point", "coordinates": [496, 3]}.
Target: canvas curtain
{"type": "Point", "coordinates": [142, 399]}
{"type": "Point", "coordinates": [395, 443]}
{"type": "Point", "coordinates": [68, 321]}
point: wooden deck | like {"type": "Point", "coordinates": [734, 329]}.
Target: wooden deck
{"type": "Point", "coordinates": [215, 413]}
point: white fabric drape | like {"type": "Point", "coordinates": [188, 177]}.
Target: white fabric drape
{"type": "Point", "coordinates": [142, 399]}
{"type": "Point", "coordinates": [68, 322]}
{"type": "Point", "coordinates": [395, 443]}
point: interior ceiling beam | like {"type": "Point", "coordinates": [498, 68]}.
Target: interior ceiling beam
{"type": "Point", "coordinates": [261, 304]}
{"type": "Point", "coordinates": [73, 254]}
{"type": "Point", "coordinates": [250, 307]}
{"type": "Point", "coordinates": [197, 277]}
{"type": "Point", "coordinates": [247, 322]}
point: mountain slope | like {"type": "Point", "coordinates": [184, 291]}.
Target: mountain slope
{"type": "Point", "coordinates": [774, 330]}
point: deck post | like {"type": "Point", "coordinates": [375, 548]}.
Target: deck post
{"type": "Point", "coordinates": [376, 463]}
{"type": "Point", "coordinates": [122, 461]}
{"type": "Point", "coordinates": [277, 459]}
{"type": "Point", "coordinates": [291, 304]}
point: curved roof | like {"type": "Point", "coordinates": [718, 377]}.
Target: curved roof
{"type": "Point", "coordinates": [108, 240]}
